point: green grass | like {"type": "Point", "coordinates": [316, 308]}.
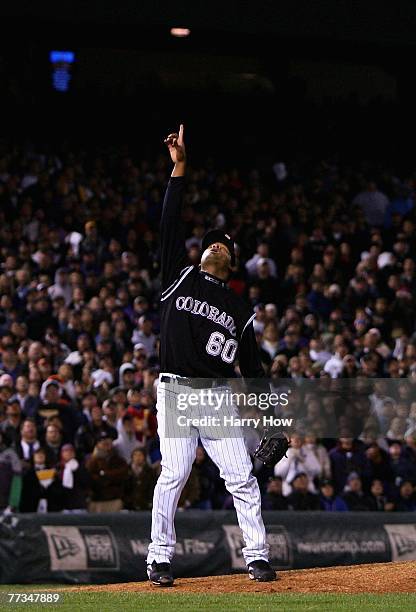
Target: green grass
{"type": "Point", "coordinates": [171, 602]}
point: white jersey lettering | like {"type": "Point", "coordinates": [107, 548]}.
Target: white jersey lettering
{"type": "Point", "coordinates": [204, 309]}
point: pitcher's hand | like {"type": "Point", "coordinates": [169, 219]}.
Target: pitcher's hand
{"type": "Point", "coordinates": [176, 146]}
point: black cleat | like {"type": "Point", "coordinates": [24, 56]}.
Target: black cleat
{"type": "Point", "coordinates": [160, 574]}
{"type": "Point", "coordinates": [261, 571]}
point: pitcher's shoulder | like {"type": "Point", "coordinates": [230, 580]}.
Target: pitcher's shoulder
{"type": "Point", "coordinates": [186, 275]}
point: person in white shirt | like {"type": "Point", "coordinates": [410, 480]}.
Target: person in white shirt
{"type": "Point", "coordinates": [320, 452]}
{"type": "Point", "coordinates": [126, 442]}
{"type": "Point", "coordinates": [144, 335]}
{"type": "Point", "coordinates": [378, 399]}
{"type": "Point", "coordinates": [317, 351]}
{"type": "Point", "coordinates": [61, 287]}
{"type": "Point", "coordinates": [335, 364]}
{"type": "Point", "coordinates": [261, 254]}
{"type": "Point", "coordinates": [75, 357]}
{"type": "Point", "coordinates": [300, 458]}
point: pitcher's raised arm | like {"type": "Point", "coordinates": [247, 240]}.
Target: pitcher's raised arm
{"type": "Point", "coordinates": [172, 237]}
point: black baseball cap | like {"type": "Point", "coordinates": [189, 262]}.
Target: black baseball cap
{"type": "Point", "coordinates": [219, 236]}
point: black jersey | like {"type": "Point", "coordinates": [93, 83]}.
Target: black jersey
{"type": "Point", "coordinates": [205, 326]}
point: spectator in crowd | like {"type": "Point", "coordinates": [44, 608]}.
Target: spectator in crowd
{"type": "Point", "coordinates": [409, 449]}
{"type": "Point", "coordinates": [385, 416]}
{"type": "Point", "coordinates": [334, 366]}
{"type": "Point", "coordinates": [378, 499]}
{"type": "Point", "coordinates": [71, 487]}
{"type": "Point", "coordinates": [143, 417]}
{"type": "Point", "coordinates": [37, 490]}
{"type": "Point", "coordinates": [378, 464]}
{"type": "Point", "coordinates": [54, 404]}
{"type": "Point", "coordinates": [354, 496]}
{"type": "Point", "coordinates": [330, 274]}
{"type": "Point", "coordinates": [266, 284]}
{"type": "Point", "coordinates": [110, 415]}
{"type": "Point", "coordinates": [346, 457]}
{"type": "Point", "coordinates": [300, 458]}
{"type": "Point", "coordinates": [274, 498]}
{"type": "Point", "coordinates": [261, 253]}
{"type": "Point", "coordinates": [127, 376]}
{"type": "Point", "coordinates": [373, 203]}
{"type": "Point", "coordinates": [61, 287]}
{"type": "Point", "coordinates": [411, 419]}
{"type": "Point", "coordinates": [28, 442]}
{"type": "Point", "coordinates": [126, 441]}
{"type": "Point", "coordinates": [329, 501]}
{"type": "Point", "coordinates": [401, 465]}
{"type": "Point", "coordinates": [301, 498]}
{"type": "Point", "coordinates": [11, 425]}
{"type": "Point", "coordinates": [10, 476]}
{"type": "Point", "coordinates": [29, 403]}
{"type": "Point", "coordinates": [5, 395]}
{"type": "Point", "coordinates": [53, 443]}
{"type": "Point", "coordinates": [313, 446]}
{"type": "Point", "coordinates": [406, 499]}
{"type": "Point", "coordinates": [144, 335]}
{"type": "Point", "coordinates": [108, 472]}
{"type": "Point", "coordinates": [140, 483]}
{"type": "Point", "coordinates": [397, 428]}
{"type": "Point", "coordinates": [270, 343]}
{"type": "Point", "coordinates": [88, 434]}
{"type": "Point", "coordinates": [378, 400]}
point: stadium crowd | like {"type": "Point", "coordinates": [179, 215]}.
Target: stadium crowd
{"type": "Point", "coordinates": [326, 257]}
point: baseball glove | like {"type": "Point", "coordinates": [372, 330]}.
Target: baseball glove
{"type": "Point", "coordinates": [272, 448]}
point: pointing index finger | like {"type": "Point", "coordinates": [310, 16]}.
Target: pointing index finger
{"type": "Point", "coordinates": [180, 139]}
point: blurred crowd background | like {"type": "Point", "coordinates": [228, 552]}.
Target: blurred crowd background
{"type": "Point", "coordinates": [326, 259]}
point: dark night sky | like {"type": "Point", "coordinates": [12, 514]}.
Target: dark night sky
{"type": "Point", "coordinates": [131, 75]}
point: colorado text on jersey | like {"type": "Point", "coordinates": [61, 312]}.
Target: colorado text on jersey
{"type": "Point", "coordinates": [203, 309]}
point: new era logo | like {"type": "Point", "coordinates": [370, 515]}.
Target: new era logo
{"type": "Point", "coordinates": [402, 539]}
{"type": "Point", "coordinates": [64, 547]}
{"type": "Point", "coordinates": [405, 545]}
{"type": "Point", "coordinates": [87, 547]}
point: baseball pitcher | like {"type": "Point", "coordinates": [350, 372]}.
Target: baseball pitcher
{"type": "Point", "coordinates": [205, 327]}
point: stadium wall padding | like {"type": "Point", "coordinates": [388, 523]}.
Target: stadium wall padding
{"type": "Point", "coordinates": [103, 548]}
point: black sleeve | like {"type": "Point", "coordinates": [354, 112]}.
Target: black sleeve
{"type": "Point", "coordinates": [248, 355]}
{"type": "Point", "coordinates": [173, 253]}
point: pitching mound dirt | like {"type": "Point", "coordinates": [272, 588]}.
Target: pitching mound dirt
{"type": "Point", "coordinates": [377, 578]}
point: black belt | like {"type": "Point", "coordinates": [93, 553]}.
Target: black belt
{"type": "Point", "coordinates": [196, 383]}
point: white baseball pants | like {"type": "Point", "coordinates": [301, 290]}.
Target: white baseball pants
{"type": "Point", "coordinates": [178, 454]}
